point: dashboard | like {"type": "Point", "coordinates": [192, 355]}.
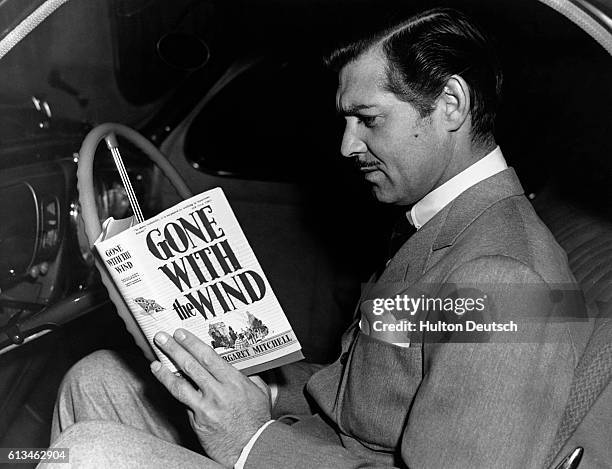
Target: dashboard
{"type": "Point", "coordinates": [47, 276]}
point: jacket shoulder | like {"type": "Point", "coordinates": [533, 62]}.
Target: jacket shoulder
{"type": "Point", "coordinates": [510, 229]}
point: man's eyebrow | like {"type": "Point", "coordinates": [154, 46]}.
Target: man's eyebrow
{"type": "Point", "coordinates": [354, 109]}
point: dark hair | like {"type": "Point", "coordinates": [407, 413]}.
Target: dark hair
{"type": "Point", "coordinates": [424, 51]}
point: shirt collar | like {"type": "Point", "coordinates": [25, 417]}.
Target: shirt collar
{"type": "Point", "coordinates": [426, 208]}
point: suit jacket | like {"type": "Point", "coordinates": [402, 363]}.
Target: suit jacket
{"type": "Point", "coordinates": [441, 404]}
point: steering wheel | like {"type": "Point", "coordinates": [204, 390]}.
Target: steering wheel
{"type": "Point", "coordinates": [89, 212]}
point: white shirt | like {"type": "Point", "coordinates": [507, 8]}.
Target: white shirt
{"type": "Point", "coordinates": [426, 208]}
{"type": "Point", "coordinates": [247, 449]}
{"type": "Point", "coordinates": [421, 212]}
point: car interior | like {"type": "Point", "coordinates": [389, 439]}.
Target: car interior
{"type": "Point", "coordinates": [236, 95]}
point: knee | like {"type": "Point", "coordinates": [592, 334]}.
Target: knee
{"type": "Point", "coordinates": [94, 371]}
{"type": "Point", "coordinates": [90, 433]}
{"type": "Point", "coordinates": [91, 442]}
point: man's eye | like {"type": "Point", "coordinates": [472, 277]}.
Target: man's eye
{"type": "Point", "coordinates": [368, 121]}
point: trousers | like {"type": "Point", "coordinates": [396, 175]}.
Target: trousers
{"type": "Point", "coordinates": [111, 412]}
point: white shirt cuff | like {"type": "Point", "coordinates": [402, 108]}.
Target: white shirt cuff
{"type": "Point", "coordinates": [247, 449]}
{"type": "Point", "coordinates": [273, 393]}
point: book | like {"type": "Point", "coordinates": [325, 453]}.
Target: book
{"type": "Point", "coordinates": [192, 267]}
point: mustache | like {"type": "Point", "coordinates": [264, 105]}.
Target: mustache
{"type": "Point", "coordinates": [365, 164]}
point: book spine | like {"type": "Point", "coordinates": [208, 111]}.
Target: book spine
{"type": "Point", "coordinates": [139, 298]}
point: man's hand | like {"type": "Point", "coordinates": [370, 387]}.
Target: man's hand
{"type": "Point", "coordinates": [226, 408]}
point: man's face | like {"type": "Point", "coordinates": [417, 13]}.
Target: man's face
{"type": "Point", "coordinates": [402, 155]}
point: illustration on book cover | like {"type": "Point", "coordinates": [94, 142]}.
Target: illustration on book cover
{"type": "Point", "coordinates": [148, 306]}
{"type": "Point", "coordinates": [239, 334]}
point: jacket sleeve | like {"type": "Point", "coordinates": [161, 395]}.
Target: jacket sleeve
{"type": "Point", "coordinates": [495, 404]}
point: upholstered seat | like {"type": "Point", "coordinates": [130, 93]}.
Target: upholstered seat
{"type": "Point", "coordinates": [587, 239]}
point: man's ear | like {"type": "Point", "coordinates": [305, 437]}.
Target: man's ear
{"type": "Point", "coordinates": [455, 100]}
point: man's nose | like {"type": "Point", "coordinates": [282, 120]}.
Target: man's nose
{"type": "Point", "coordinates": [352, 145]}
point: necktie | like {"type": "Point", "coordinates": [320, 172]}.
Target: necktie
{"type": "Point", "coordinates": [402, 230]}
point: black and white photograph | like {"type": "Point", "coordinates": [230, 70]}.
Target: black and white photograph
{"type": "Point", "coordinates": [340, 234]}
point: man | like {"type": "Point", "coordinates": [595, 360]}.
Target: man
{"type": "Point", "coordinates": [419, 101]}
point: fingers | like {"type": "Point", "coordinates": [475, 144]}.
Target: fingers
{"type": "Point", "coordinates": [178, 387]}
{"type": "Point", "coordinates": [186, 362]}
{"type": "Point", "coordinates": [206, 356]}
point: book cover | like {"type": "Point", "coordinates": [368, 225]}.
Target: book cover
{"type": "Point", "coordinates": [191, 266]}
